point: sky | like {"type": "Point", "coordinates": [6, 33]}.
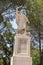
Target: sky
{"type": "Point", "coordinates": [13, 22]}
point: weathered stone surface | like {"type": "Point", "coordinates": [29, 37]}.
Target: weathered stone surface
{"type": "Point", "coordinates": [21, 50]}
{"type": "Point", "coordinates": [22, 44]}
{"type": "Point", "coordinates": [22, 60]}
{"type": "Point", "coordinates": [21, 20]}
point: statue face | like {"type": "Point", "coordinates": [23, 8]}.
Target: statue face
{"type": "Point", "coordinates": [21, 12]}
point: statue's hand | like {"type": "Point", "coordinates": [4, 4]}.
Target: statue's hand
{"type": "Point", "coordinates": [18, 7]}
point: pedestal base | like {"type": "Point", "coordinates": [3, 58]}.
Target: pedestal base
{"type": "Point", "coordinates": [21, 60]}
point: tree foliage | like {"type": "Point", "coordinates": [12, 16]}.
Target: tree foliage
{"type": "Point", "coordinates": [6, 43]}
{"type": "Point", "coordinates": [19, 2]}
{"type": "Point", "coordinates": [35, 15]}
{"type": "Point", "coordinates": [35, 56]}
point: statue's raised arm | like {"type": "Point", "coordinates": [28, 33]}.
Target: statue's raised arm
{"type": "Point", "coordinates": [17, 14]}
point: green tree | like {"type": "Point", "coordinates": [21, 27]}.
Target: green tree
{"type": "Point", "coordinates": [6, 35]}
{"type": "Point", "coordinates": [6, 43]}
{"type": "Point", "coordinates": [35, 56]}
{"type": "Point", "coordinates": [18, 2]}
{"type": "Point", "coordinates": [35, 15]}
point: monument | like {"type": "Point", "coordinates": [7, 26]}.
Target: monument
{"type": "Point", "coordinates": [21, 50]}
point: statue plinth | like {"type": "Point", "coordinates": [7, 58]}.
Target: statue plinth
{"type": "Point", "coordinates": [21, 60]}
{"type": "Point", "coordinates": [21, 50]}
{"type": "Point", "coordinates": [22, 44]}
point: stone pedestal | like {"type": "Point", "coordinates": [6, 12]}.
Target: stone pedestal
{"type": "Point", "coordinates": [22, 44]}
{"type": "Point", "coordinates": [22, 60]}
{"type": "Point", "coordinates": [21, 52]}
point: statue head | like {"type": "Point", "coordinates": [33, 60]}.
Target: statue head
{"type": "Point", "coordinates": [21, 12]}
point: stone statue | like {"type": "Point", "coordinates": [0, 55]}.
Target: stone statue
{"type": "Point", "coordinates": [21, 47]}
{"type": "Point", "coordinates": [21, 20]}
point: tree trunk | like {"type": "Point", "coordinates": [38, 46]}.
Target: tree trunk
{"type": "Point", "coordinates": [39, 42]}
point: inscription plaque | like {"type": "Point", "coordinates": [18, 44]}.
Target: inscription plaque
{"type": "Point", "coordinates": [22, 45]}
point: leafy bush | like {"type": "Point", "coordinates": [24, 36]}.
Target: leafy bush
{"type": "Point", "coordinates": [35, 56]}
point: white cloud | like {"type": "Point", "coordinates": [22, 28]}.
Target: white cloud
{"type": "Point", "coordinates": [14, 25]}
